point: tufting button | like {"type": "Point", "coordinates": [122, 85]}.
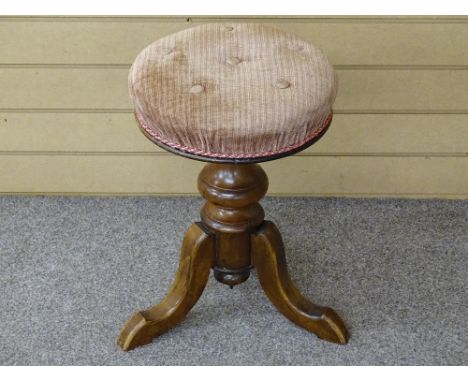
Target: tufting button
{"type": "Point", "coordinates": [171, 52]}
{"type": "Point", "coordinates": [197, 89]}
{"type": "Point", "coordinates": [228, 29]}
{"type": "Point", "coordinates": [233, 61]}
{"type": "Point", "coordinates": [297, 47]}
{"type": "Point", "coordinates": [283, 84]}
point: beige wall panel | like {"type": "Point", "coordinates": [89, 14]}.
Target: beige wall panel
{"type": "Point", "coordinates": [402, 90]}
{"type": "Point", "coordinates": [400, 128]}
{"type": "Point", "coordinates": [60, 41]}
{"type": "Point", "coordinates": [347, 41]}
{"type": "Point", "coordinates": [64, 88]}
{"type": "Point", "coordinates": [349, 134]}
{"type": "Point", "coordinates": [358, 90]}
{"type": "Point", "coordinates": [292, 175]}
{"type": "Point", "coordinates": [374, 42]}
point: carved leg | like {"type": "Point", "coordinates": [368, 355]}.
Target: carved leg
{"type": "Point", "coordinates": [269, 259]}
{"type": "Point", "coordinates": [196, 259]}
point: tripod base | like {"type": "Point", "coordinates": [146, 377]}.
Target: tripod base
{"type": "Point", "coordinates": [232, 238]}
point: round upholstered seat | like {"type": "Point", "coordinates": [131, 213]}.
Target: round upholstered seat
{"type": "Point", "coordinates": [232, 92]}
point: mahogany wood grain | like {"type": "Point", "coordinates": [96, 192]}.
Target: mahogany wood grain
{"type": "Point", "coordinates": [270, 262]}
{"type": "Point", "coordinates": [231, 212]}
{"type": "Point", "coordinates": [196, 259]}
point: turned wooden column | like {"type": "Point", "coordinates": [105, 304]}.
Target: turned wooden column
{"type": "Point", "coordinates": [232, 213]}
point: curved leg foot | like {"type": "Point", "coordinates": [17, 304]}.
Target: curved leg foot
{"type": "Point", "coordinates": [269, 259]}
{"type": "Point", "coordinates": [196, 259]}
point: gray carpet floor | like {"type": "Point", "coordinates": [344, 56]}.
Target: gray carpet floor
{"type": "Point", "coordinates": [73, 269]}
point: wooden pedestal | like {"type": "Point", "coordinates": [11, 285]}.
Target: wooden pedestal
{"type": "Point", "coordinates": [232, 238]}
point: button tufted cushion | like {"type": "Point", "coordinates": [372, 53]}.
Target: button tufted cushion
{"type": "Point", "coordinates": [232, 91]}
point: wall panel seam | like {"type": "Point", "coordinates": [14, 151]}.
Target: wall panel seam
{"type": "Point", "coordinates": [270, 194]}
{"type": "Point", "coordinates": [127, 66]}
{"type": "Point", "coordinates": [190, 19]}
{"type": "Point", "coordinates": [130, 111]}
{"type": "Point", "coordinates": [163, 153]}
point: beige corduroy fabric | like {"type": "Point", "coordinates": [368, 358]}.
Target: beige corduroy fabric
{"type": "Point", "coordinates": [232, 91]}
